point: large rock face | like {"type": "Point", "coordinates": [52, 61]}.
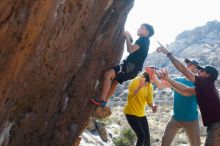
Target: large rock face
{"type": "Point", "coordinates": [53, 54]}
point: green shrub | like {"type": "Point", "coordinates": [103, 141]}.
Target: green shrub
{"type": "Point", "coordinates": [127, 138]}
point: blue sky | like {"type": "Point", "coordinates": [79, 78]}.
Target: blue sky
{"type": "Point", "coordinates": [170, 17]}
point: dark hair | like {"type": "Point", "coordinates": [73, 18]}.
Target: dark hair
{"type": "Point", "coordinates": [146, 76]}
{"type": "Point", "coordinates": [212, 71]}
{"type": "Point", "coordinates": [149, 28]}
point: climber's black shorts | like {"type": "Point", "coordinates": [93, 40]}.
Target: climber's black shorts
{"type": "Point", "coordinates": [125, 72]}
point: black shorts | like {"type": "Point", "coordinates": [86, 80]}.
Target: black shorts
{"type": "Point", "coordinates": [125, 72]}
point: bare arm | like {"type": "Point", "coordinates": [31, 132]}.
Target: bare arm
{"type": "Point", "coordinates": [150, 99]}
{"type": "Point", "coordinates": [182, 89]}
{"type": "Point", "coordinates": [130, 48]}
{"type": "Point", "coordinates": [159, 83]}
{"type": "Point", "coordinates": [153, 107]}
{"type": "Point", "coordinates": [182, 68]}
{"type": "Point", "coordinates": [165, 84]}
{"type": "Point", "coordinates": [162, 85]}
{"type": "Point", "coordinates": [141, 84]}
{"type": "Point", "coordinates": [182, 93]}
{"type": "Point", "coordinates": [154, 78]}
{"type": "Point", "coordinates": [128, 44]}
{"type": "Point", "coordinates": [136, 91]}
{"type": "Point", "coordinates": [177, 63]}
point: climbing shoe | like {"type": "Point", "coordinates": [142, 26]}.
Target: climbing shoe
{"type": "Point", "coordinates": [98, 102]}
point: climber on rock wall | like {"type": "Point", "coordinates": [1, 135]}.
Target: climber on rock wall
{"type": "Point", "coordinates": [129, 68]}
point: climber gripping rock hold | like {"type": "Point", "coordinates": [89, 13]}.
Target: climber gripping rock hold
{"type": "Point", "coordinates": [129, 68]}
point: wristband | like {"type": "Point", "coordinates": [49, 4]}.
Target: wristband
{"type": "Point", "coordinates": [169, 54]}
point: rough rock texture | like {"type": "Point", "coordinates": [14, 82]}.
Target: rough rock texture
{"type": "Point", "coordinates": [53, 54]}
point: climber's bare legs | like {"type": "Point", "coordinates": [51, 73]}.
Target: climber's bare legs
{"type": "Point", "coordinates": [107, 84]}
{"type": "Point", "coordinates": [112, 89]}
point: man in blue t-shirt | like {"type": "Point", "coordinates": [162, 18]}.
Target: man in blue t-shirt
{"type": "Point", "coordinates": [185, 113]}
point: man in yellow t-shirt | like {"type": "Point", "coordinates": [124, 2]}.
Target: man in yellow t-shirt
{"type": "Point", "coordinates": [140, 94]}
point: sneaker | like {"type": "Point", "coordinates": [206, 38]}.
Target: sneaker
{"type": "Point", "coordinates": [103, 103]}
{"type": "Point", "coordinates": [98, 102]}
{"type": "Point", "coordinates": [95, 101]}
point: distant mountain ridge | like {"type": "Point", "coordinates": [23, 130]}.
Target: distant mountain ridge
{"type": "Point", "coordinates": [202, 43]}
